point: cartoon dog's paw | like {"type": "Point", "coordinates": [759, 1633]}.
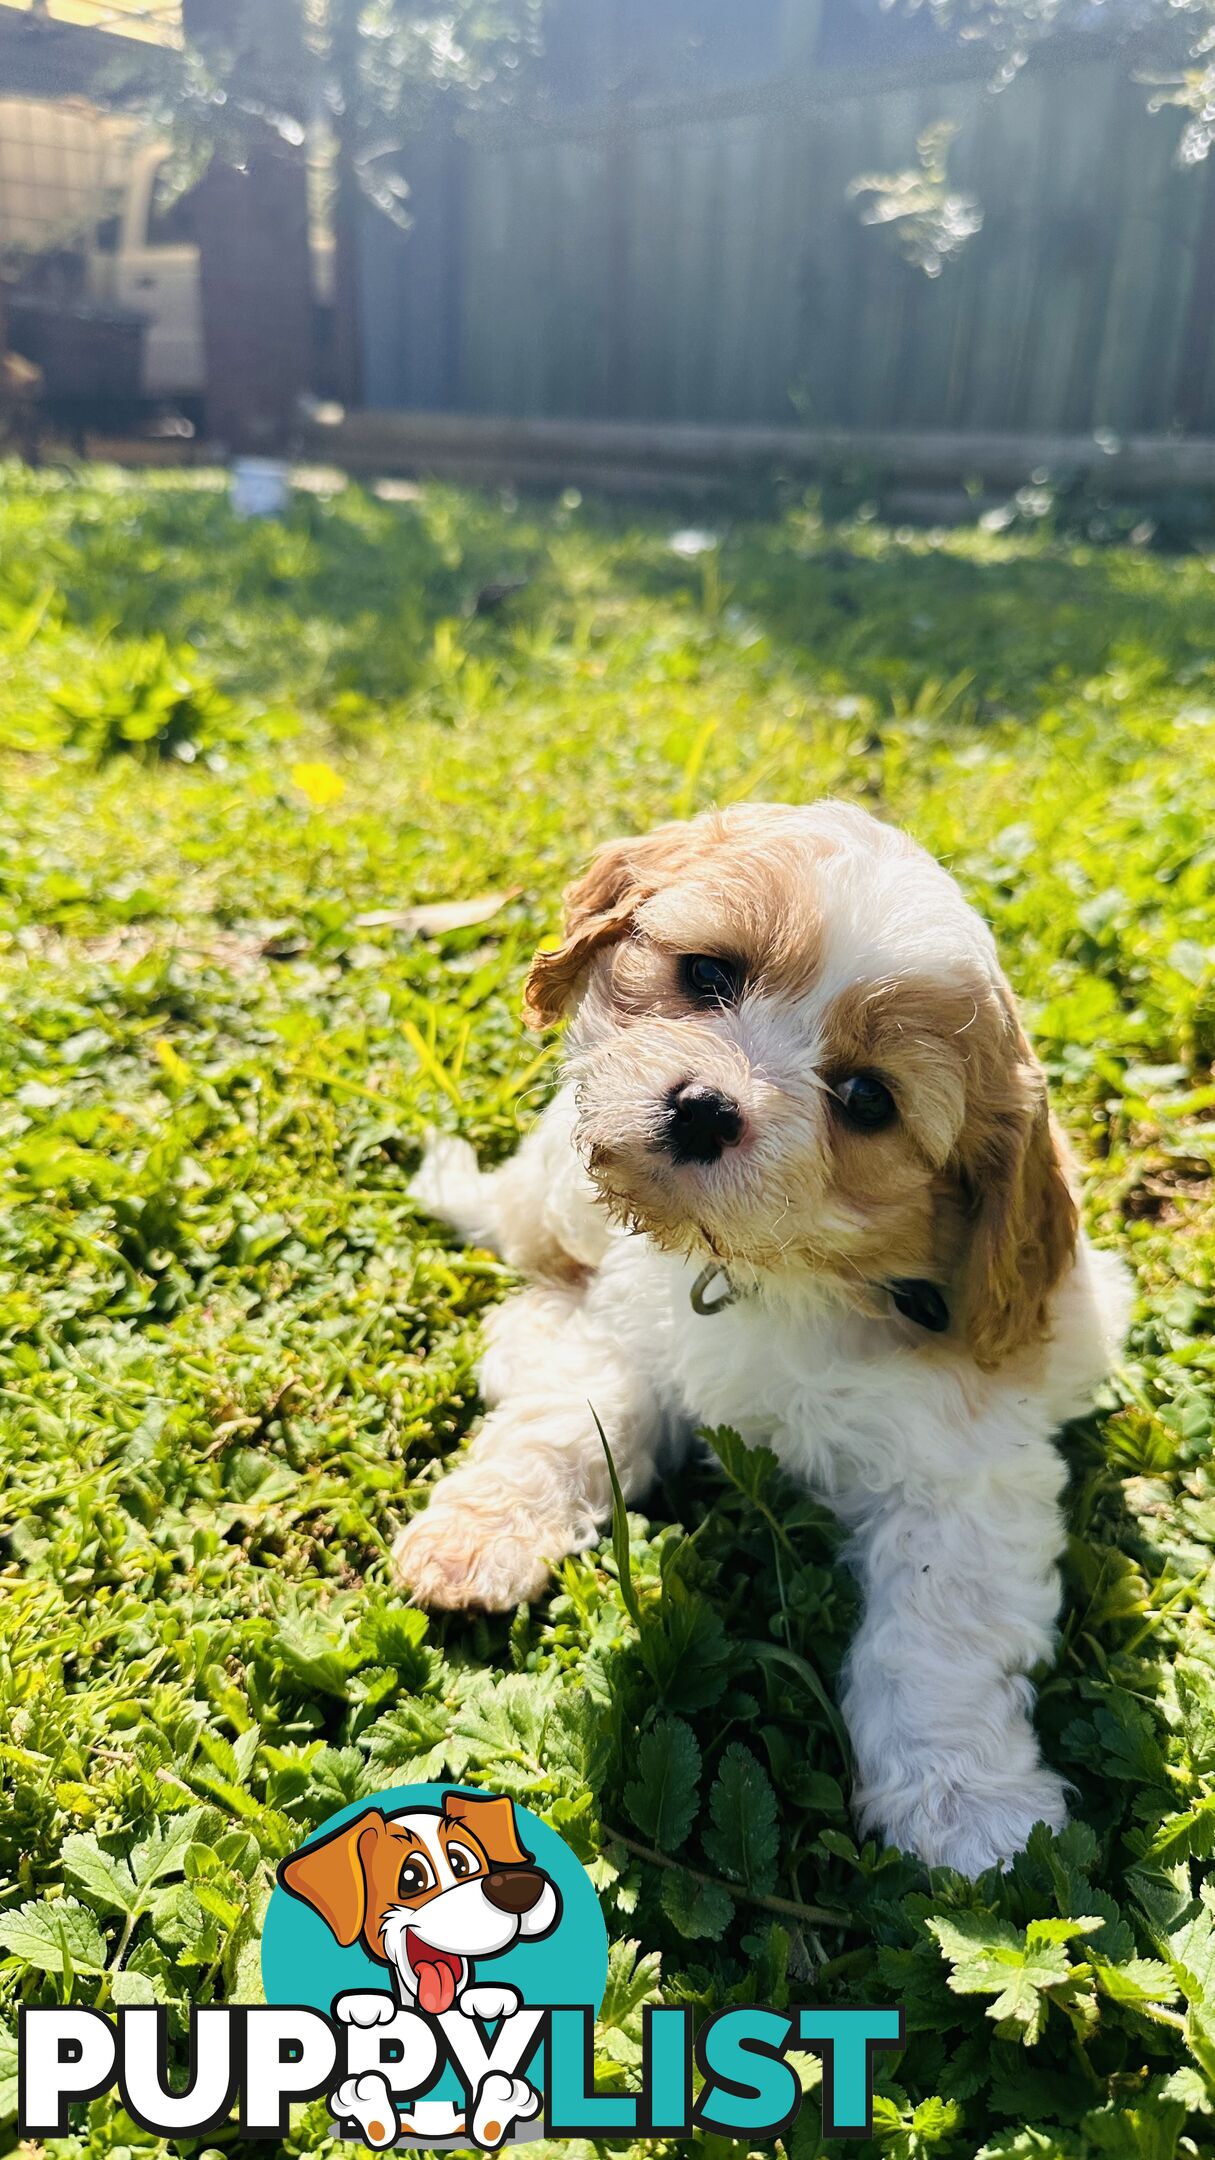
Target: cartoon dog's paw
{"type": "Point", "coordinates": [373, 2008]}
{"type": "Point", "coordinates": [501, 2103]}
{"type": "Point", "coordinates": [475, 1549]}
{"type": "Point", "coordinates": [367, 2101]}
{"type": "Point", "coordinates": [490, 2003]}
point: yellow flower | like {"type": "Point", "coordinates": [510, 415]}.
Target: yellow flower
{"type": "Point", "coordinates": [320, 783]}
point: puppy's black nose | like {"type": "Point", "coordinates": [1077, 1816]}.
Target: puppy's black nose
{"type": "Point", "coordinates": [700, 1122]}
{"type": "Point", "coordinates": [514, 1890]}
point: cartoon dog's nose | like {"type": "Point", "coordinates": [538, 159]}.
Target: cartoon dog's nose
{"type": "Point", "coordinates": [514, 1890]}
{"type": "Point", "coordinates": [700, 1123]}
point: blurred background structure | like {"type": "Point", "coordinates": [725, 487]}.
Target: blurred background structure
{"type": "Point", "coordinates": [809, 216]}
{"type": "Point", "coordinates": [677, 235]}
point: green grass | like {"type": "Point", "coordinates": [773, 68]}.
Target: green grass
{"type": "Point", "coordinates": [233, 1356]}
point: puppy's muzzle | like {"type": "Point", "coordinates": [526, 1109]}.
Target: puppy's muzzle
{"type": "Point", "coordinates": [700, 1123]}
{"type": "Point", "coordinates": [514, 1890]}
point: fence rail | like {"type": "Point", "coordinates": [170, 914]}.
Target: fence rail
{"type": "Point", "coordinates": [555, 453]}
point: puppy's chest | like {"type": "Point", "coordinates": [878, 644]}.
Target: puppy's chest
{"type": "Point", "coordinates": [776, 1378]}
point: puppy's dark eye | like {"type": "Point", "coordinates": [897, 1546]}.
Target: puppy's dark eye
{"type": "Point", "coordinates": [461, 1862]}
{"type": "Point", "coordinates": [866, 1101]}
{"type": "Point", "coordinates": [415, 1875]}
{"type": "Point", "coordinates": [708, 980]}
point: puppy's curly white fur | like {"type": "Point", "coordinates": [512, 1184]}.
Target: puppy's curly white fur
{"type": "Point", "coordinates": [793, 1055]}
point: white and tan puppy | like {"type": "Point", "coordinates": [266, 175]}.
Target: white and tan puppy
{"type": "Point", "coordinates": [797, 1090]}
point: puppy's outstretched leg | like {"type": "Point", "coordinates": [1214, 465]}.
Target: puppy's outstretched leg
{"type": "Point", "coordinates": [534, 1485]}
{"type": "Point", "coordinates": [960, 1600]}
{"type": "Point", "coordinates": [539, 1209]}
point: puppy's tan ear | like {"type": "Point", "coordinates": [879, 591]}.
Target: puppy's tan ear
{"type": "Point", "coordinates": [599, 908]}
{"type": "Point", "coordinates": [492, 1822]}
{"type": "Point", "coordinates": [1025, 1226]}
{"type": "Point", "coordinates": [331, 1876]}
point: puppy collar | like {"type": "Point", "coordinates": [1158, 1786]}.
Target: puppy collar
{"type": "Point", "coordinates": [919, 1302]}
{"type": "Point", "coordinates": [728, 1294]}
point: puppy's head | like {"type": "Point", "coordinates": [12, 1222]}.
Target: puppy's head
{"type": "Point", "coordinates": [427, 1890]}
{"type": "Point", "coordinates": [793, 1047]}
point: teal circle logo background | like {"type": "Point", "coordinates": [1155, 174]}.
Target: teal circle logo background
{"type": "Point", "coordinates": [302, 1963]}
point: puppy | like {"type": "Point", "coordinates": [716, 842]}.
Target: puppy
{"type": "Point", "coordinates": [802, 1180]}
{"type": "Point", "coordinates": [426, 1892]}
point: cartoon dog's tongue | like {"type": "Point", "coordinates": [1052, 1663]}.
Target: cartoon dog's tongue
{"type": "Point", "coordinates": [437, 1971]}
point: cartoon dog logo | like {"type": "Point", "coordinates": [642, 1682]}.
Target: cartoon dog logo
{"type": "Point", "coordinates": [430, 1893]}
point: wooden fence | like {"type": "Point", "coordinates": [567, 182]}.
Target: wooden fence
{"type": "Point", "coordinates": [701, 260]}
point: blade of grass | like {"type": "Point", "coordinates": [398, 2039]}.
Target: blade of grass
{"type": "Point", "coordinates": [620, 1530]}
{"type": "Point", "coordinates": [431, 1064]}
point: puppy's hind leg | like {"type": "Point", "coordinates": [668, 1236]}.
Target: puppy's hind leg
{"type": "Point", "coordinates": [533, 1486]}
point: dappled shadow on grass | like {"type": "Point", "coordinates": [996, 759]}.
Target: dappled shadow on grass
{"type": "Point", "coordinates": [887, 617]}
{"type": "Point", "coordinates": [343, 598]}
{"type": "Point", "coordinates": [337, 559]}
{"type": "Point", "coordinates": [341, 595]}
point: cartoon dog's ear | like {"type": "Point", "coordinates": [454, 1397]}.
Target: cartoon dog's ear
{"type": "Point", "coordinates": [332, 1877]}
{"type": "Point", "coordinates": [492, 1822]}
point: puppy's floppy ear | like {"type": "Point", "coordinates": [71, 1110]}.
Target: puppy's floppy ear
{"type": "Point", "coordinates": [599, 907]}
{"type": "Point", "coordinates": [492, 1821]}
{"type": "Point", "coordinates": [331, 1876]}
{"type": "Point", "coordinates": [1025, 1225]}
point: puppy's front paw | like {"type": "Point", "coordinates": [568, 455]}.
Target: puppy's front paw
{"type": "Point", "coordinates": [490, 2003]}
{"type": "Point", "coordinates": [367, 2101]}
{"type": "Point", "coordinates": [471, 1554]}
{"type": "Point", "coordinates": [969, 1824]}
{"type": "Point", "coordinates": [373, 2008]}
{"type": "Point", "coordinates": [501, 2103]}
